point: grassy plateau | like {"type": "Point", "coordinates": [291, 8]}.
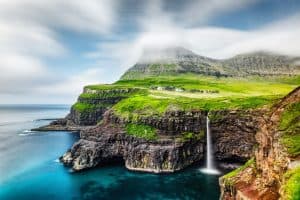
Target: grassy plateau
{"type": "Point", "coordinates": [153, 96]}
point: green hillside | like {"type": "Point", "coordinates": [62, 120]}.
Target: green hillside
{"type": "Point", "coordinates": [154, 96]}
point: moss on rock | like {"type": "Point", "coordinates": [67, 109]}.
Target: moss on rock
{"type": "Point", "coordinates": [141, 131]}
{"type": "Point", "coordinates": [291, 188]}
{"type": "Point", "coordinates": [187, 136]}
{"type": "Point", "coordinates": [290, 127]}
{"type": "Point", "coordinates": [229, 177]}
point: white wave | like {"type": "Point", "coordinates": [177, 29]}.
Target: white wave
{"type": "Point", "coordinates": [27, 132]}
{"type": "Point", "coordinates": [210, 171]}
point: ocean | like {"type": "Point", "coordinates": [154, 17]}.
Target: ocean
{"type": "Point", "coordinates": [29, 166]}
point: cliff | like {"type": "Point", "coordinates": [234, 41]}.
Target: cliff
{"type": "Point", "coordinates": [177, 143]}
{"type": "Point", "coordinates": [111, 140]}
{"type": "Point", "coordinates": [274, 171]}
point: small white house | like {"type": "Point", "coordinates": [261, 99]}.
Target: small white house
{"type": "Point", "coordinates": [178, 89]}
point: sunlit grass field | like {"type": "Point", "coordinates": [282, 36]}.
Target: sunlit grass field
{"type": "Point", "coordinates": [190, 91]}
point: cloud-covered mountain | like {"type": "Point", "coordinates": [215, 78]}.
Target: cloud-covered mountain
{"type": "Point", "coordinates": [178, 60]}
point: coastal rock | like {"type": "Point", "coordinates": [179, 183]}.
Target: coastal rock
{"type": "Point", "coordinates": [107, 143]}
{"type": "Point", "coordinates": [86, 118]}
{"type": "Point", "coordinates": [233, 133]}
{"type": "Point", "coordinates": [264, 178]}
{"type": "Point", "coordinates": [171, 123]}
{"type": "Point", "coordinates": [93, 103]}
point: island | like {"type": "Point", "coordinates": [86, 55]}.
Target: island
{"type": "Point", "coordinates": [154, 119]}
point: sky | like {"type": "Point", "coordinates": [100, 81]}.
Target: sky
{"type": "Point", "coordinates": [49, 50]}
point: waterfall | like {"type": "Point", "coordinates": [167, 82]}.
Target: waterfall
{"type": "Point", "coordinates": [209, 157]}
{"type": "Point", "coordinates": [210, 168]}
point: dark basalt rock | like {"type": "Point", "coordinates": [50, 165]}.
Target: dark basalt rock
{"type": "Point", "coordinates": [233, 134]}
{"type": "Point", "coordinates": [266, 177]}
{"type": "Point", "coordinates": [109, 142]}
{"type": "Point", "coordinates": [171, 123]}
{"type": "Point", "coordinates": [86, 118]}
{"type": "Point", "coordinates": [232, 131]}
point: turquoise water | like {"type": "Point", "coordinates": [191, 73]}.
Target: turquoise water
{"type": "Point", "coordinates": [29, 167]}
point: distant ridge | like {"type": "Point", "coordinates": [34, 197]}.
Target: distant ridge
{"type": "Point", "coordinates": [178, 60]}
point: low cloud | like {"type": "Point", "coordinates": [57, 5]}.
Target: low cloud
{"type": "Point", "coordinates": [280, 37]}
{"type": "Point", "coordinates": [32, 36]}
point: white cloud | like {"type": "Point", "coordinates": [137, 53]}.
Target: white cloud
{"type": "Point", "coordinates": [85, 16]}
{"type": "Point", "coordinates": [29, 35]}
{"type": "Point", "coordinates": [73, 84]}
{"type": "Point", "coordinates": [279, 37]}
{"type": "Point", "coordinates": [202, 10]}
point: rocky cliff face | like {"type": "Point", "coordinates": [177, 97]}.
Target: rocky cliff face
{"type": "Point", "coordinates": [264, 179]}
{"type": "Point", "coordinates": [109, 141]}
{"type": "Point", "coordinates": [233, 133]}
{"type": "Point", "coordinates": [94, 102]}
{"type": "Point", "coordinates": [172, 122]}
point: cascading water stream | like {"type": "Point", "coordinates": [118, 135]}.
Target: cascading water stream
{"type": "Point", "coordinates": [210, 168]}
{"type": "Point", "coordinates": [209, 161]}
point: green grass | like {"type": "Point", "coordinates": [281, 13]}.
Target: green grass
{"type": "Point", "coordinates": [104, 94]}
{"type": "Point", "coordinates": [250, 86]}
{"type": "Point", "coordinates": [292, 143]}
{"type": "Point", "coordinates": [143, 105]}
{"type": "Point", "coordinates": [290, 126]}
{"type": "Point", "coordinates": [233, 93]}
{"type": "Point", "coordinates": [228, 178]}
{"type": "Point", "coordinates": [291, 187]}
{"type": "Point", "coordinates": [141, 131]}
{"type": "Point", "coordinates": [290, 117]}
{"type": "Point", "coordinates": [107, 87]}
{"type": "Point", "coordinates": [187, 136]}
{"type": "Point", "coordinates": [85, 107]}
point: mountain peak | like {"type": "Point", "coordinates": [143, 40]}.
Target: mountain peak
{"type": "Point", "coordinates": [178, 60]}
{"type": "Point", "coordinates": [165, 54]}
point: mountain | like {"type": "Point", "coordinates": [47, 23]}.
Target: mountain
{"type": "Point", "coordinates": [262, 63]}
{"type": "Point", "coordinates": [171, 61]}
{"type": "Point", "coordinates": [178, 60]}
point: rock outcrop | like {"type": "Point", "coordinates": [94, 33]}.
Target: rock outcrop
{"type": "Point", "coordinates": [109, 142]}
{"type": "Point", "coordinates": [94, 102]}
{"type": "Point", "coordinates": [264, 178]}
{"type": "Point", "coordinates": [233, 133]}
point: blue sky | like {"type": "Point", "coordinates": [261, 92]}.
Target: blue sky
{"type": "Point", "coordinates": [51, 49]}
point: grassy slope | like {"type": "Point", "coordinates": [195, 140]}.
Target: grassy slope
{"type": "Point", "coordinates": [291, 189]}
{"type": "Point", "coordinates": [228, 178]}
{"type": "Point", "coordinates": [290, 126]}
{"type": "Point", "coordinates": [141, 131]}
{"type": "Point", "coordinates": [231, 93]}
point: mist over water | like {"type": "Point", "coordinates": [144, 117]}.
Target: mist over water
{"type": "Point", "coordinates": [29, 168]}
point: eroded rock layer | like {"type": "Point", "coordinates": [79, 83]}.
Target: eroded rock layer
{"type": "Point", "coordinates": [108, 141]}
{"type": "Point", "coordinates": [264, 178]}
